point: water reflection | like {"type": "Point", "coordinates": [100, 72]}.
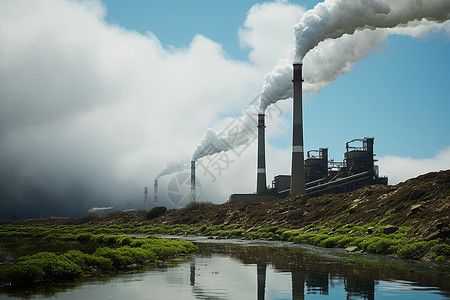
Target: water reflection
{"type": "Point", "coordinates": [356, 287]}
{"type": "Point", "coordinates": [298, 284]}
{"type": "Point", "coordinates": [261, 279]}
{"type": "Point", "coordinates": [192, 273]}
{"type": "Point", "coordinates": [224, 271]}
{"type": "Point", "coordinates": [314, 275]}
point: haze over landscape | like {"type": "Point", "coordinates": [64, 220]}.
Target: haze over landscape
{"type": "Point", "coordinates": [97, 98]}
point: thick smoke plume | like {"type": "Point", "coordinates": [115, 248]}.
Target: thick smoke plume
{"type": "Point", "coordinates": [240, 131]}
{"type": "Point", "coordinates": [277, 85]}
{"type": "Point", "coordinates": [332, 19]}
{"type": "Point", "coordinates": [340, 33]}
{"type": "Point", "coordinates": [173, 167]}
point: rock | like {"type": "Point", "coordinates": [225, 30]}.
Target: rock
{"type": "Point", "coordinates": [416, 208]}
{"type": "Point", "coordinates": [445, 232]}
{"type": "Point", "coordinates": [441, 225]}
{"type": "Point", "coordinates": [389, 229]}
{"type": "Point", "coordinates": [370, 230]}
{"type": "Point", "coordinates": [433, 236]}
{"type": "Point", "coordinates": [352, 249]}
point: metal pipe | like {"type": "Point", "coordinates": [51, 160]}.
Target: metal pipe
{"type": "Point", "coordinates": [261, 184]}
{"type": "Point", "coordinates": [298, 164]}
{"type": "Point", "coordinates": [339, 182]}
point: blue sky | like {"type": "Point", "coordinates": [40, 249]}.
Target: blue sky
{"type": "Point", "coordinates": [96, 97]}
{"type": "Point", "coordinates": [399, 95]}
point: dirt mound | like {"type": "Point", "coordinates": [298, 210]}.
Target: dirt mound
{"type": "Point", "coordinates": [422, 203]}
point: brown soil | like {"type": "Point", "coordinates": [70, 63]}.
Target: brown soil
{"type": "Point", "coordinates": [423, 203]}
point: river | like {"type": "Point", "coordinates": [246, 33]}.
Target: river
{"type": "Point", "coordinates": [235, 269]}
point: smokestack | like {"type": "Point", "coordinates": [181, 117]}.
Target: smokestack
{"type": "Point", "coordinates": [298, 163]}
{"type": "Point", "coordinates": [261, 175]}
{"type": "Point", "coordinates": [155, 193]}
{"type": "Point", "coordinates": [146, 198]}
{"type": "Point", "coordinates": [193, 195]}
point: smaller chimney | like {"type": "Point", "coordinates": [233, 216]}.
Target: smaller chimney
{"type": "Point", "coordinates": [155, 193]}
{"type": "Point", "coordinates": [193, 192]}
{"type": "Point", "coordinates": [146, 198]}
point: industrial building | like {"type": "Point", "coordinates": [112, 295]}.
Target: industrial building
{"type": "Point", "coordinates": [316, 175]}
{"type": "Point", "coordinates": [323, 176]}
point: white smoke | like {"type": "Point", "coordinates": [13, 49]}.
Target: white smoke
{"type": "Point", "coordinates": [335, 57]}
{"type": "Point", "coordinates": [173, 167]}
{"type": "Point", "coordinates": [333, 36]}
{"type": "Point", "coordinates": [240, 131]}
{"type": "Point", "coordinates": [332, 19]}
{"type": "Point", "coordinates": [277, 85]}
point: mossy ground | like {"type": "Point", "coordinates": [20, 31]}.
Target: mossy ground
{"type": "Point", "coordinates": [70, 252]}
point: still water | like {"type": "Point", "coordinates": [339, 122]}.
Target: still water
{"type": "Point", "coordinates": [263, 270]}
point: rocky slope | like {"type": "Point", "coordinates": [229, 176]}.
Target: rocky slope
{"type": "Point", "coordinates": [422, 203]}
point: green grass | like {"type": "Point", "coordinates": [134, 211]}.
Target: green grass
{"type": "Point", "coordinates": [70, 252]}
{"type": "Point", "coordinates": [87, 239]}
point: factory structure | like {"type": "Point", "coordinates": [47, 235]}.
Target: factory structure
{"type": "Point", "coordinates": [323, 176]}
{"type": "Point", "coordinates": [316, 175]}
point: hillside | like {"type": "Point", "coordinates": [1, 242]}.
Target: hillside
{"type": "Point", "coordinates": [421, 206]}
{"type": "Point", "coordinates": [422, 203]}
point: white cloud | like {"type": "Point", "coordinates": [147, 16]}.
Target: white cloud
{"type": "Point", "coordinates": [90, 112]}
{"type": "Point", "coordinates": [400, 169]}
{"type": "Point", "coordinates": [268, 32]}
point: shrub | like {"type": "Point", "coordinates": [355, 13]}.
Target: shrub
{"type": "Point", "coordinates": [84, 237]}
{"type": "Point", "coordinates": [19, 273]}
{"type": "Point", "coordinates": [49, 238]}
{"type": "Point", "coordinates": [304, 238]}
{"type": "Point", "coordinates": [110, 239]}
{"type": "Point", "coordinates": [123, 241]}
{"type": "Point", "coordinates": [286, 235]}
{"type": "Point", "coordinates": [156, 212]}
{"type": "Point", "coordinates": [137, 242]}
{"type": "Point", "coordinates": [236, 232]}
{"type": "Point", "coordinates": [126, 255]}
{"type": "Point", "coordinates": [43, 265]}
{"type": "Point", "coordinates": [85, 261]}
{"type": "Point", "coordinates": [440, 250]}
{"type": "Point", "coordinates": [345, 241]}
{"type": "Point", "coordinates": [440, 258]}
{"type": "Point", "coordinates": [380, 245]}
{"type": "Point", "coordinates": [197, 205]}
{"type": "Point", "coordinates": [331, 242]}
{"type": "Point", "coordinates": [413, 251]}
{"type": "Point", "coordinates": [117, 257]}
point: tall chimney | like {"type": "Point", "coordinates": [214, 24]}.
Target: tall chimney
{"type": "Point", "coordinates": [155, 193]}
{"type": "Point", "coordinates": [146, 198]}
{"type": "Point", "coordinates": [193, 195]}
{"type": "Point", "coordinates": [261, 175]}
{"type": "Point", "coordinates": [298, 163]}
